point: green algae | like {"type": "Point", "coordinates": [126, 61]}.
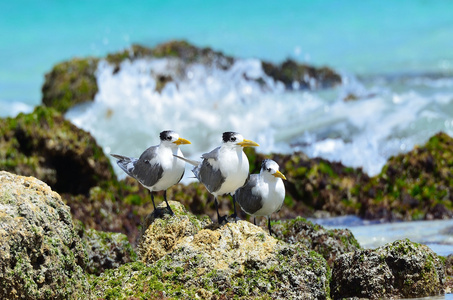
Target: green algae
{"type": "Point", "coordinates": [69, 83]}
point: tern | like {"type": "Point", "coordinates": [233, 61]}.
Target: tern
{"type": "Point", "coordinates": [224, 169]}
{"type": "Point", "coordinates": [157, 169]}
{"type": "Point", "coordinates": [264, 193]}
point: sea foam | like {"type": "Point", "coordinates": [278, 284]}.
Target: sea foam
{"type": "Point", "coordinates": [201, 102]}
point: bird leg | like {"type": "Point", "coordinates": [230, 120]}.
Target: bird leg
{"type": "Point", "coordinates": [234, 215]}
{"type": "Point", "coordinates": [269, 225]}
{"type": "Point", "coordinates": [220, 219]}
{"type": "Point", "coordinates": [254, 220]}
{"type": "Point", "coordinates": [152, 199]}
{"type": "Point", "coordinates": [156, 211]}
{"type": "Point", "coordinates": [168, 205]}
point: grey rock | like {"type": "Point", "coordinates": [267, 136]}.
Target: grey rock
{"type": "Point", "coordinates": [105, 250]}
{"type": "Point", "coordinates": [41, 256]}
{"type": "Point", "coordinates": [401, 269]}
{"type": "Point", "coordinates": [329, 243]}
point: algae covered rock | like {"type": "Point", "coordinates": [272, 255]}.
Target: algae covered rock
{"type": "Point", "coordinates": [45, 145]}
{"type": "Point", "coordinates": [105, 250]}
{"type": "Point", "coordinates": [188, 257]}
{"type": "Point", "coordinates": [329, 243]}
{"type": "Point", "coordinates": [413, 186]}
{"type": "Point", "coordinates": [41, 256]}
{"type": "Point", "coordinates": [401, 269]}
{"type": "Point", "coordinates": [69, 83]}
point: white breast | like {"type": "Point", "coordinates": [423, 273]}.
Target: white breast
{"type": "Point", "coordinates": [173, 168]}
{"type": "Point", "coordinates": [273, 195]}
{"type": "Point", "coordinates": [234, 166]}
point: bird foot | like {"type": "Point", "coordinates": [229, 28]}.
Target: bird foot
{"type": "Point", "coordinates": [170, 211]}
{"type": "Point", "coordinates": [222, 219]}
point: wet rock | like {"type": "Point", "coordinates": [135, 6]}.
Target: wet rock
{"type": "Point", "coordinates": [297, 76]}
{"type": "Point", "coordinates": [105, 250]}
{"type": "Point", "coordinates": [329, 243]}
{"type": "Point", "coordinates": [184, 256]}
{"type": "Point", "coordinates": [69, 83]}
{"type": "Point", "coordinates": [401, 269]}
{"type": "Point", "coordinates": [41, 256]}
{"type": "Point", "coordinates": [449, 274]}
{"type": "Point", "coordinates": [181, 50]}
{"type": "Point", "coordinates": [73, 82]}
{"type": "Point", "coordinates": [45, 145]}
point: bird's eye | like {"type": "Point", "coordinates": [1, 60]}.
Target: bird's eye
{"type": "Point", "coordinates": [233, 139]}
{"type": "Point", "coordinates": [268, 169]}
{"type": "Point", "coordinates": [168, 138]}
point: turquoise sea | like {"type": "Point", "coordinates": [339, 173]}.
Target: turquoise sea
{"type": "Point", "coordinates": [396, 57]}
{"type": "Point", "coordinates": [360, 37]}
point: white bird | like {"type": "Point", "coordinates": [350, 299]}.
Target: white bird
{"type": "Point", "coordinates": [264, 193]}
{"type": "Point", "coordinates": [224, 169]}
{"type": "Point", "coordinates": [157, 169]}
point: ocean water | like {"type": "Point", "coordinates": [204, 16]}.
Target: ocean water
{"type": "Point", "coordinates": [395, 59]}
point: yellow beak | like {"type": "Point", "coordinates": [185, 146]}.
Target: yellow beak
{"type": "Point", "coordinates": [247, 143]}
{"type": "Point", "coordinates": [279, 174]}
{"type": "Point", "coordinates": [181, 141]}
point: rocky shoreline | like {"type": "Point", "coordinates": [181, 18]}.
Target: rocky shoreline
{"type": "Point", "coordinates": [72, 230]}
{"type": "Point", "coordinates": [46, 256]}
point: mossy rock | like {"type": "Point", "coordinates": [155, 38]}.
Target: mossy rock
{"type": "Point", "coordinates": [104, 250]}
{"type": "Point", "coordinates": [401, 269]}
{"type": "Point", "coordinates": [179, 49]}
{"type": "Point", "coordinates": [329, 243]}
{"type": "Point", "coordinates": [413, 186]}
{"type": "Point", "coordinates": [41, 255]}
{"type": "Point", "coordinates": [69, 83]}
{"type": "Point", "coordinates": [45, 145]}
{"type": "Point", "coordinates": [186, 257]}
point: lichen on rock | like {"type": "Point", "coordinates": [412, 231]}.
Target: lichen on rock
{"type": "Point", "coordinates": [196, 258]}
{"type": "Point", "coordinates": [104, 250]}
{"type": "Point", "coordinates": [401, 269]}
{"type": "Point", "coordinates": [41, 256]}
{"type": "Point", "coordinates": [329, 243]}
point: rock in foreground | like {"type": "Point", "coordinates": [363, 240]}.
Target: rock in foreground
{"type": "Point", "coordinates": [399, 270]}
{"type": "Point", "coordinates": [187, 257]}
{"type": "Point", "coordinates": [40, 254]}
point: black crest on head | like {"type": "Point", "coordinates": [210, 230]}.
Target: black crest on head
{"type": "Point", "coordinates": [264, 163]}
{"type": "Point", "coordinates": [227, 136]}
{"type": "Point", "coordinates": [165, 135]}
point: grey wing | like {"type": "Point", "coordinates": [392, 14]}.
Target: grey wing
{"type": "Point", "coordinates": [146, 169]}
{"type": "Point", "coordinates": [205, 172]}
{"type": "Point", "coordinates": [213, 154]}
{"type": "Point", "coordinates": [249, 201]}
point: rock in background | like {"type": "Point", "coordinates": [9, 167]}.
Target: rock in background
{"type": "Point", "coordinates": [73, 82]}
{"type": "Point", "coordinates": [401, 269]}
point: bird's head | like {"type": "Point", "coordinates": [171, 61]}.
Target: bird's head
{"type": "Point", "coordinates": [271, 168]}
{"type": "Point", "coordinates": [235, 139]}
{"type": "Point", "coordinates": [171, 139]}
